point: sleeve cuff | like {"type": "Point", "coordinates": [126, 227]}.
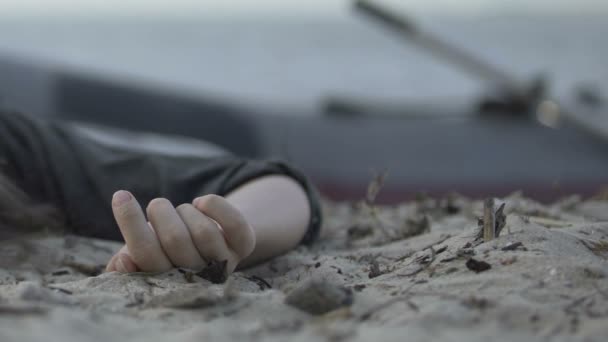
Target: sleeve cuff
{"type": "Point", "coordinates": [250, 169]}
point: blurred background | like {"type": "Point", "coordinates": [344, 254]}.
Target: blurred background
{"type": "Point", "coordinates": [481, 97]}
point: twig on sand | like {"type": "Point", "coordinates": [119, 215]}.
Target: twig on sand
{"type": "Point", "coordinates": [599, 248]}
{"type": "Point", "coordinates": [493, 221]}
{"type": "Point", "coordinates": [513, 246]}
{"type": "Point", "coordinates": [442, 239]}
{"type": "Point", "coordinates": [426, 265]}
{"type": "Point", "coordinates": [375, 186]}
{"type": "Point", "coordinates": [489, 220]}
{"type": "Point", "coordinates": [373, 189]}
{"type": "Point", "coordinates": [261, 282]}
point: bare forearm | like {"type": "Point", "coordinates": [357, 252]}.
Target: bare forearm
{"type": "Point", "coordinates": [277, 208]}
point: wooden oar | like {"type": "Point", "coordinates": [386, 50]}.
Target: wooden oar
{"type": "Point", "coordinates": [406, 28]}
{"type": "Point", "coordinates": [512, 94]}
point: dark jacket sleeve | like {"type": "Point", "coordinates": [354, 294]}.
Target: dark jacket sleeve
{"type": "Point", "coordinates": [78, 169]}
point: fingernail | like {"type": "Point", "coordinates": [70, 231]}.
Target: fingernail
{"type": "Point", "coordinates": [196, 201]}
{"type": "Point", "coordinates": [120, 267]}
{"type": "Point", "coordinates": [121, 197]}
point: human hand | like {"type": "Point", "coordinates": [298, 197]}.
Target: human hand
{"type": "Point", "coordinates": [188, 236]}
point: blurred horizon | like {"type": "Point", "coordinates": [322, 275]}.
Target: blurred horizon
{"type": "Point", "coordinates": [324, 8]}
{"type": "Point", "coordinates": [292, 53]}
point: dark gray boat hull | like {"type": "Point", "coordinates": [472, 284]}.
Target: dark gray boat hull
{"type": "Point", "coordinates": [475, 155]}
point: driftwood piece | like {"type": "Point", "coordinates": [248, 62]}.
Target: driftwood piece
{"type": "Point", "coordinates": [489, 220]}
{"type": "Point", "coordinates": [492, 222]}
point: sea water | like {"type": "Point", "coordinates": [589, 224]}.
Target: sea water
{"type": "Point", "coordinates": [297, 62]}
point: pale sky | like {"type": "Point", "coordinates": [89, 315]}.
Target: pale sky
{"type": "Point", "coordinates": [316, 7]}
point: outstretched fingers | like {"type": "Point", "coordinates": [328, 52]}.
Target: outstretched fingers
{"type": "Point", "coordinates": [145, 249]}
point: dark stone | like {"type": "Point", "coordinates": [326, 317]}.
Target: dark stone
{"type": "Point", "coordinates": [477, 265]}
{"type": "Point", "coordinates": [318, 296]}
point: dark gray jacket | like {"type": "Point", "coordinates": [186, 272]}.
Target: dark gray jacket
{"type": "Point", "coordinates": [77, 168]}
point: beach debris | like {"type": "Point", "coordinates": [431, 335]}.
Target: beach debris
{"type": "Point", "coordinates": [374, 187]}
{"type": "Point", "coordinates": [500, 220]}
{"type": "Point", "coordinates": [511, 246]}
{"type": "Point", "coordinates": [492, 222]}
{"type": "Point", "coordinates": [318, 296]}
{"type": "Point", "coordinates": [465, 252]}
{"type": "Point", "coordinates": [359, 287]}
{"type": "Point", "coordinates": [188, 299]}
{"type": "Point", "coordinates": [477, 266]}
{"type": "Point", "coordinates": [375, 271]}
{"type": "Point", "coordinates": [60, 289]}
{"type": "Point", "coordinates": [261, 282]}
{"type": "Point", "coordinates": [441, 249]}
{"type": "Point", "coordinates": [60, 273]}
{"type": "Point", "coordinates": [359, 231]}
{"type": "Point", "coordinates": [424, 261]}
{"type": "Point", "coordinates": [426, 258]}
{"type": "Point", "coordinates": [215, 272]}
{"type": "Point", "coordinates": [368, 204]}
{"type": "Point", "coordinates": [594, 273]}
{"type": "Point", "coordinates": [477, 303]}
{"type": "Point", "coordinates": [188, 275]}
{"type": "Point", "coordinates": [338, 269]}
{"type": "Point", "coordinates": [450, 258]}
{"type": "Point", "coordinates": [599, 248]}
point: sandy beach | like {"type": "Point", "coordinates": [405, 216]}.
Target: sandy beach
{"type": "Point", "coordinates": [409, 272]}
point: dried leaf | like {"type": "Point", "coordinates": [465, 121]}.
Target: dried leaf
{"type": "Point", "coordinates": [375, 186]}
{"type": "Point", "coordinates": [215, 272]}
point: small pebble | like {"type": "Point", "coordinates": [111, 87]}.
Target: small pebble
{"type": "Point", "coordinates": [318, 296]}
